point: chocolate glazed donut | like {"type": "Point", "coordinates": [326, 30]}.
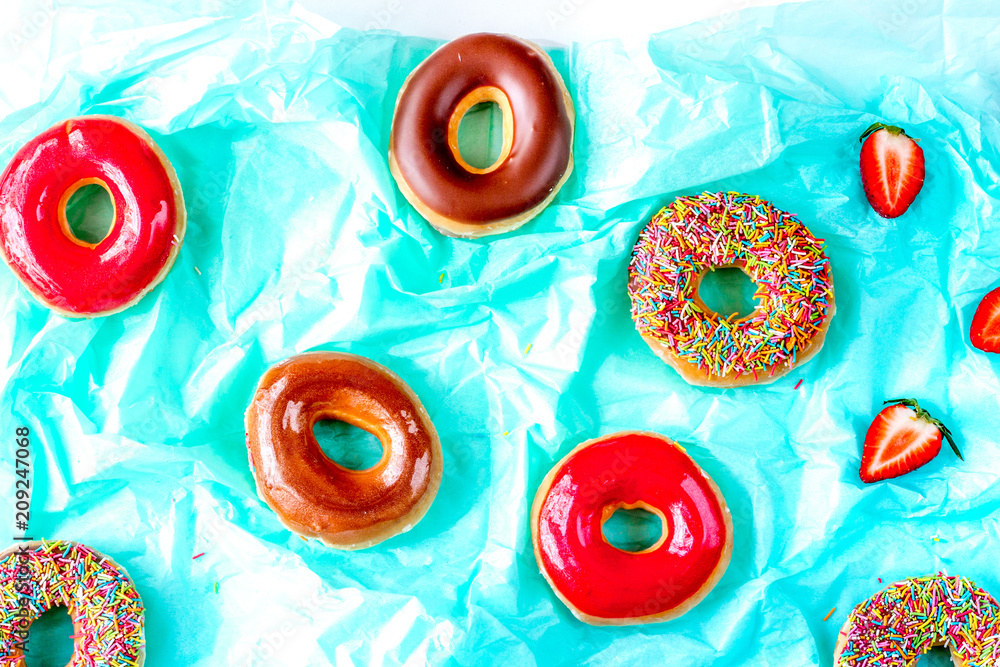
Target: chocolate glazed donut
{"type": "Point", "coordinates": [537, 153]}
{"type": "Point", "coordinates": [314, 496]}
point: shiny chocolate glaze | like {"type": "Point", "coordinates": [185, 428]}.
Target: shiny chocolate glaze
{"type": "Point", "coordinates": [313, 495]}
{"type": "Point", "coordinates": [543, 129]}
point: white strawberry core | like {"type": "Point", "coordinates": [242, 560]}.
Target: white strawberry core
{"type": "Point", "coordinates": [893, 154]}
{"type": "Point", "coordinates": [908, 434]}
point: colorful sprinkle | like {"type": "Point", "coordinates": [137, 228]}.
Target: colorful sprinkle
{"type": "Point", "coordinates": [198, 556]}
{"type": "Point", "coordinates": [696, 234]}
{"type": "Point", "coordinates": [441, 279]}
{"type": "Point", "coordinates": [908, 618]}
{"type": "Point", "coordinates": [197, 271]}
{"type": "Point", "coordinates": [827, 617]}
{"type": "Point", "coordinates": [101, 599]}
{"type": "Point", "coordinates": [527, 349]}
{"type": "Point", "coordinates": [797, 385]}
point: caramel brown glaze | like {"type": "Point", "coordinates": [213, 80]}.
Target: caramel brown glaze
{"type": "Point", "coordinates": [314, 496]}
{"type": "Point", "coordinates": [538, 137]}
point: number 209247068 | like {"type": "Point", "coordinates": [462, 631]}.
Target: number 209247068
{"type": "Point", "coordinates": [22, 482]}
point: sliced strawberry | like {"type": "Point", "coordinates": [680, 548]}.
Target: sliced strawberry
{"type": "Point", "coordinates": [902, 438]}
{"type": "Point", "coordinates": [986, 323]}
{"type": "Point", "coordinates": [892, 169]}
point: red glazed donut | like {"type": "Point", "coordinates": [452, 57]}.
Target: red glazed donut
{"type": "Point", "coordinates": [604, 585]}
{"type": "Point", "coordinates": [314, 496]}
{"type": "Point", "coordinates": [75, 278]}
{"type": "Point", "coordinates": [537, 153]}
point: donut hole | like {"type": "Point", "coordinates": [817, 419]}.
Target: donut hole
{"type": "Point", "coordinates": [480, 135]}
{"type": "Point", "coordinates": [347, 445]}
{"type": "Point", "coordinates": [88, 212]}
{"type": "Point", "coordinates": [49, 639]}
{"type": "Point", "coordinates": [728, 291]}
{"type": "Point", "coordinates": [635, 529]}
{"type": "Point", "coordinates": [481, 130]}
{"type": "Point", "coordinates": [938, 656]}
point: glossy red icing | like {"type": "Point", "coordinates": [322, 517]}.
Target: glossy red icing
{"type": "Point", "coordinates": [628, 469]}
{"type": "Point", "coordinates": [66, 273]}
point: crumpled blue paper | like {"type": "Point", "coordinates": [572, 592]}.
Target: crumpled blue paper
{"type": "Point", "coordinates": [298, 239]}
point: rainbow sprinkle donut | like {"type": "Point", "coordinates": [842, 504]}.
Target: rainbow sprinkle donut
{"type": "Point", "coordinates": [695, 235]}
{"type": "Point", "coordinates": [902, 622]}
{"type": "Point", "coordinates": [106, 610]}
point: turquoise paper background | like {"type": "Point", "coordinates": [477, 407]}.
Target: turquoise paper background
{"type": "Point", "coordinates": [277, 123]}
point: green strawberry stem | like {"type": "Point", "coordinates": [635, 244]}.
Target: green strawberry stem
{"type": "Point", "coordinates": [891, 129]}
{"type": "Point", "coordinates": [926, 416]}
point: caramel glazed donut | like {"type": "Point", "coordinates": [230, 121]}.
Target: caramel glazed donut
{"type": "Point", "coordinates": [897, 625]}
{"type": "Point", "coordinates": [107, 613]}
{"type": "Point", "coordinates": [72, 277]}
{"type": "Point", "coordinates": [537, 153]}
{"type": "Point", "coordinates": [314, 496]}
{"type": "Point", "coordinates": [602, 584]}
{"type": "Point", "coordinates": [694, 235]}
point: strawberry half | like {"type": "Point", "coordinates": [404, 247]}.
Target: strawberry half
{"type": "Point", "coordinates": [986, 323]}
{"type": "Point", "coordinates": [892, 169]}
{"type": "Point", "coordinates": [902, 438]}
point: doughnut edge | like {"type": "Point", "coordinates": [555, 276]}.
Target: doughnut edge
{"type": "Point", "coordinates": [698, 378]}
